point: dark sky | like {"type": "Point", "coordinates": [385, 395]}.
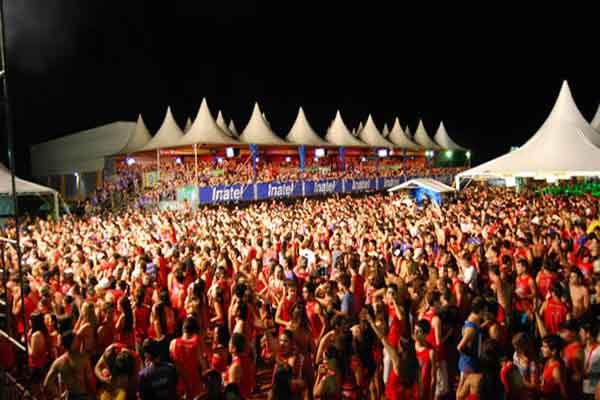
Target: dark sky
{"type": "Point", "coordinates": [490, 74]}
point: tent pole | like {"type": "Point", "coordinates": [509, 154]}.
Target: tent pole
{"type": "Point", "coordinates": [158, 164]}
{"type": "Point", "coordinates": [11, 159]}
{"type": "Point", "coordinates": [196, 163]}
{"type": "Point", "coordinates": [56, 206]}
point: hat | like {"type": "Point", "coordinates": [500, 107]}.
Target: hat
{"type": "Point", "coordinates": [103, 284]}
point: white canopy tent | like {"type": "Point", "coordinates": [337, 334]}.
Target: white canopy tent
{"type": "Point", "coordinates": [444, 140]}
{"type": "Point", "coordinates": [358, 129]}
{"type": "Point", "coordinates": [596, 121]}
{"type": "Point", "coordinates": [168, 135]}
{"type": "Point", "coordinates": [233, 129]}
{"type": "Point", "coordinates": [371, 135]}
{"type": "Point", "coordinates": [400, 139]}
{"type": "Point", "coordinates": [223, 125]}
{"type": "Point", "coordinates": [138, 138]}
{"type": "Point", "coordinates": [339, 135]}
{"type": "Point", "coordinates": [188, 125]}
{"type": "Point", "coordinates": [408, 133]}
{"type": "Point", "coordinates": [24, 188]}
{"type": "Point", "coordinates": [565, 146]}
{"type": "Point", "coordinates": [204, 130]}
{"type": "Point", "coordinates": [258, 132]}
{"type": "Point", "coordinates": [426, 183]}
{"type": "Point", "coordinates": [385, 131]}
{"type": "Point", "coordinates": [302, 133]}
{"type": "Point", "coordinates": [422, 138]}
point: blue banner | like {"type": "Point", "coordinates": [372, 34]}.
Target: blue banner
{"type": "Point", "coordinates": [226, 193]}
{"type": "Point", "coordinates": [317, 188]}
{"type": "Point", "coordinates": [361, 185]}
{"type": "Point", "coordinates": [386, 183]}
{"type": "Point", "coordinates": [273, 190]}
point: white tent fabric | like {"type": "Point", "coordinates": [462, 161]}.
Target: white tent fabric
{"type": "Point", "coordinates": [222, 124]}
{"type": "Point", "coordinates": [444, 140]}
{"type": "Point", "coordinates": [23, 187]}
{"type": "Point", "coordinates": [400, 139]}
{"type": "Point", "coordinates": [188, 125]}
{"type": "Point", "coordinates": [168, 135]}
{"type": "Point", "coordinates": [339, 135]}
{"type": "Point", "coordinates": [596, 121]}
{"type": "Point", "coordinates": [138, 138]}
{"type": "Point", "coordinates": [204, 130]}
{"type": "Point", "coordinates": [258, 132]}
{"type": "Point", "coordinates": [82, 151]}
{"type": "Point", "coordinates": [360, 128]}
{"type": "Point", "coordinates": [302, 133]}
{"type": "Point", "coordinates": [371, 135]}
{"type": "Point", "coordinates": [422, 138]}
{"type": "Point", "coordinates": [564, 146]}
{"type": "Point", "coordinates": [385, 131]}
{"type": "Point", "coordinates": [427, 183]}
{"type": "Point", "coordinates": [266, 120]}
{"type": "Point", "coordinates": [233, 129]}
{"type": "Point", "coordinates": [407, 132]}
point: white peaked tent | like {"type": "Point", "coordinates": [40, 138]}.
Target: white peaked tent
{"type": "Point", "coordinates": [258, 132]}
{"type": "Point", "coordinates": [422, 138]}
{"type": "Point", "coordinates": [168, 135]}
{"type": "Point", "coordinates": [302, 133]}
{"type": "Point", "coordinates": [222, 124]}
{"type": "Point", "coordinates": [385, 131]}
{"type": "Point", "coordinates": [233, 129]}
{"type": "Point", "coordinates": [371, 135]}
{"type": "Point", "coordinates": [188, 125]}
{"type": "Point", "coordinates": [204, 130]}
{"type": "Point", "coordinates": [565, 146]}
{"type": "Point", "coordinates": [266, 120]}
{"type": "Point", "coordinates": [339, 135]}
{"type": "Point", "coordinates": [444, 140]}
{"type": "Point", "coordinates": [138, 139]}
{"type": "Point", "coordinates": [360, 128]}
{"type": "Point", "coordinates": [407, 132]}
{"type": "Point", "coordinates": [24, 188]}
{"type": "Point", "coordinates": [596, 121]}
{"type": "Point", "coordinates": [400, 139]}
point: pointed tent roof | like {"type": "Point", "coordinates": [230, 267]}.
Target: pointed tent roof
{"type": "Point", "coordinates": [168, 135]}
{"type": "Point", "coordinates": [222, 124]}
{"type": "Point", "coordinates": [400, 139]}
{"type": "Point", "coordinates": [257, 131]}
{"type": "Point", "coordinates": [266, 120]}
{"type": "Point", "coordinates": [339, 135]}
{"type": "Point", "coordinates": [360, 128]}
{"type": "Point", "coordinates": [596, 121]}
{"type": "Point", "coordinates": [564, 146]}
{"type": "Point", "coordinates": [138, 139]}
{"type": "Point", "coordinates": [188, 125]}
{"type": "Point", "coordinates": [204, 129]}
{"type": "Point", "coordinates": [444, 140]}
{"type": "Point", "coordinates": [302, 133]}
{"type": "Point", "coordinates": [233, 129]}
{"type": "Point", "coordinates": [422, 138]}
{"type": "Point", "coordinates": [407, 132]}
{"type": "Point", "coordinates": [370, 135]}
{"type": "Point", "coordinates": [385, 131]}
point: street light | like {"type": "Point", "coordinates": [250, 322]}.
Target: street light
{"type": "Point", "coordinates": [448, 153]}
{"type": "Point", "coordinates": [468, 154]}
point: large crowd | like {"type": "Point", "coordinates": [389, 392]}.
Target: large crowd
{"type": "Point", "coordinates": [492, 295]}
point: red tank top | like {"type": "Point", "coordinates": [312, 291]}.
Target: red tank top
{"type": "Point", "coordinates": [550, 388]}
{"type": "Point", "coordinates": [428, 316]}
{"type": "Point", "coordinates": [247, 380]}
{"type": "Point", "coordinates": [523, 289]}
{"type": "Point", "coordinates": [394, 390]}
{"type": "Point", "coordinates": [545, 281]}
{"type": "Point", "coordinates": [312, 312]}
{"type": "Point", "coordinates": [141, 317]}
{"type": "Point", "coordinates": [395, 324]}
{"type": "Point", "coordinates": [185, 356]}
{"type": "Point", "coordinates": [555, 314]}
{"type": "Point", "coordinates": [424, 358]}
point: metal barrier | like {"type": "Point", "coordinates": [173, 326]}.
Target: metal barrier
{"type": "Point", "coordinates": [10, 389]}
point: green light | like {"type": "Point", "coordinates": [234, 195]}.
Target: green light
{"type": "Point", "coordinates": [449, 153]}
{"type": "Point", "coordinates": [468, 154]}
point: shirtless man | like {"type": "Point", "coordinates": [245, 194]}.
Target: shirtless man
{"type": "Point", "coordinates": [72, 371]}
{"type": "Point", "coordinates": [580, 295]}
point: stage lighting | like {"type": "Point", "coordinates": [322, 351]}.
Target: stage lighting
{"type": "Point", "coordinates": [320, 152]}
{"type": "Point", "coordinates": [468, 154]}
{"type": "Point", "coordinates": [130, 161]}
{"type": "Point", "coordinates": [230, 152]}
{"type": "Point", "coordinates": [220, 160]}
{"type": "Point", "coordinates": [382, 153]}
{"type": "Point", "coordinates": [288, 159]}
{"type": "Point", "coordinates": [448, 153]}
{"type": "Point", "coordinates": [178, 160]}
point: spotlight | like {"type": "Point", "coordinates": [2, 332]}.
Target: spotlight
{"type": "Point", "coordinates": [220, 160]}
{"type": "Point", "coordinates": [257, 159]}
{"type": "Point", "coordinates": [468, 154]}
{"type": "Point", "coordinates": [178, 160]}
{"type": "Point", "coordinates": [448, 153]}
{"type": "Point", "coordinates": [130, 161]}
{"type": "Point", "coordinates": [288, 159]}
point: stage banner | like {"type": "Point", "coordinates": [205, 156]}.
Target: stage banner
{"type": "Point", "coordinates": [150, 179]}
{"type": "Point", "coordinates": [226, 193]}
{"type": "Point", "coordinates": [275, 190]}
{"type": "Point", "coordinates": [189, 193]}
{"type": "Point", "coordinates": [316, 188]}
{"type": "Point", "coordinates": [359, 185]}
{"type": "Point", "coordinates": [386, 183]}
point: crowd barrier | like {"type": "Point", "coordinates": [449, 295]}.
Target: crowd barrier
{"type": "Point", "coordinates": [281, 190]}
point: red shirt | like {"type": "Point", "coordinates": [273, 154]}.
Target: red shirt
{"type": "Point", "coordinates": [555, 314]}
{"type": "Point", "coordinates": [545, 279]}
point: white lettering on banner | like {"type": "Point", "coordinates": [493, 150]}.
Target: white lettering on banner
{"type": "Point", "coordinates": [325, 187]}
{"type": "Point", "coordinates": [361, 185]}
{"type": "Point", "coordinates": [227, 194]}
{"type": "Point", "coordinates": [280, 190]}
{"type": "Point", "coordinates": [390, 182]}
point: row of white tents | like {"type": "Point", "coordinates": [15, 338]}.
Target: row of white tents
{"type": "Point", "coordinates": [206, 130]}
{"type": "Point", "coordinates": [565, 146]}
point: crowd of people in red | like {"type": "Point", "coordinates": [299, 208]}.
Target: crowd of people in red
{"type": "Point", "coordinates": [493, 295]}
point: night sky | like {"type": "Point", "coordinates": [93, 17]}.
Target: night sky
{"type": "Point", "coordinates": [491, 75]}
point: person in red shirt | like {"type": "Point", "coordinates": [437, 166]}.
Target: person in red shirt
{"type": "Point", "coordinates": [553, 385]}
{"type": "Point", "coordinates": [545, 278]}
{"type": "Point", "coordinates": [316, 319]}
{"type": "Point", "coordinates": [427, 360]}
{"type": "Point", "coordinates": [188, 356]}
{"type": "Point", "coordinates": [525, 293]}
{"type": "Point", "coordinates": [554, 310]}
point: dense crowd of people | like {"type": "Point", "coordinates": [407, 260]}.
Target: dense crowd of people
{"type": "Point", "coordinates": [492, 295]}
{"type": "Point", "coordinates": [176, 173]}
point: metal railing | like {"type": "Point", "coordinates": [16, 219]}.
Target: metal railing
{"type": "Point", "coordinates": [11, 389]}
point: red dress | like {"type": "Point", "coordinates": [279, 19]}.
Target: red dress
{"type": "Point", "coordinates": [424, 357]}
